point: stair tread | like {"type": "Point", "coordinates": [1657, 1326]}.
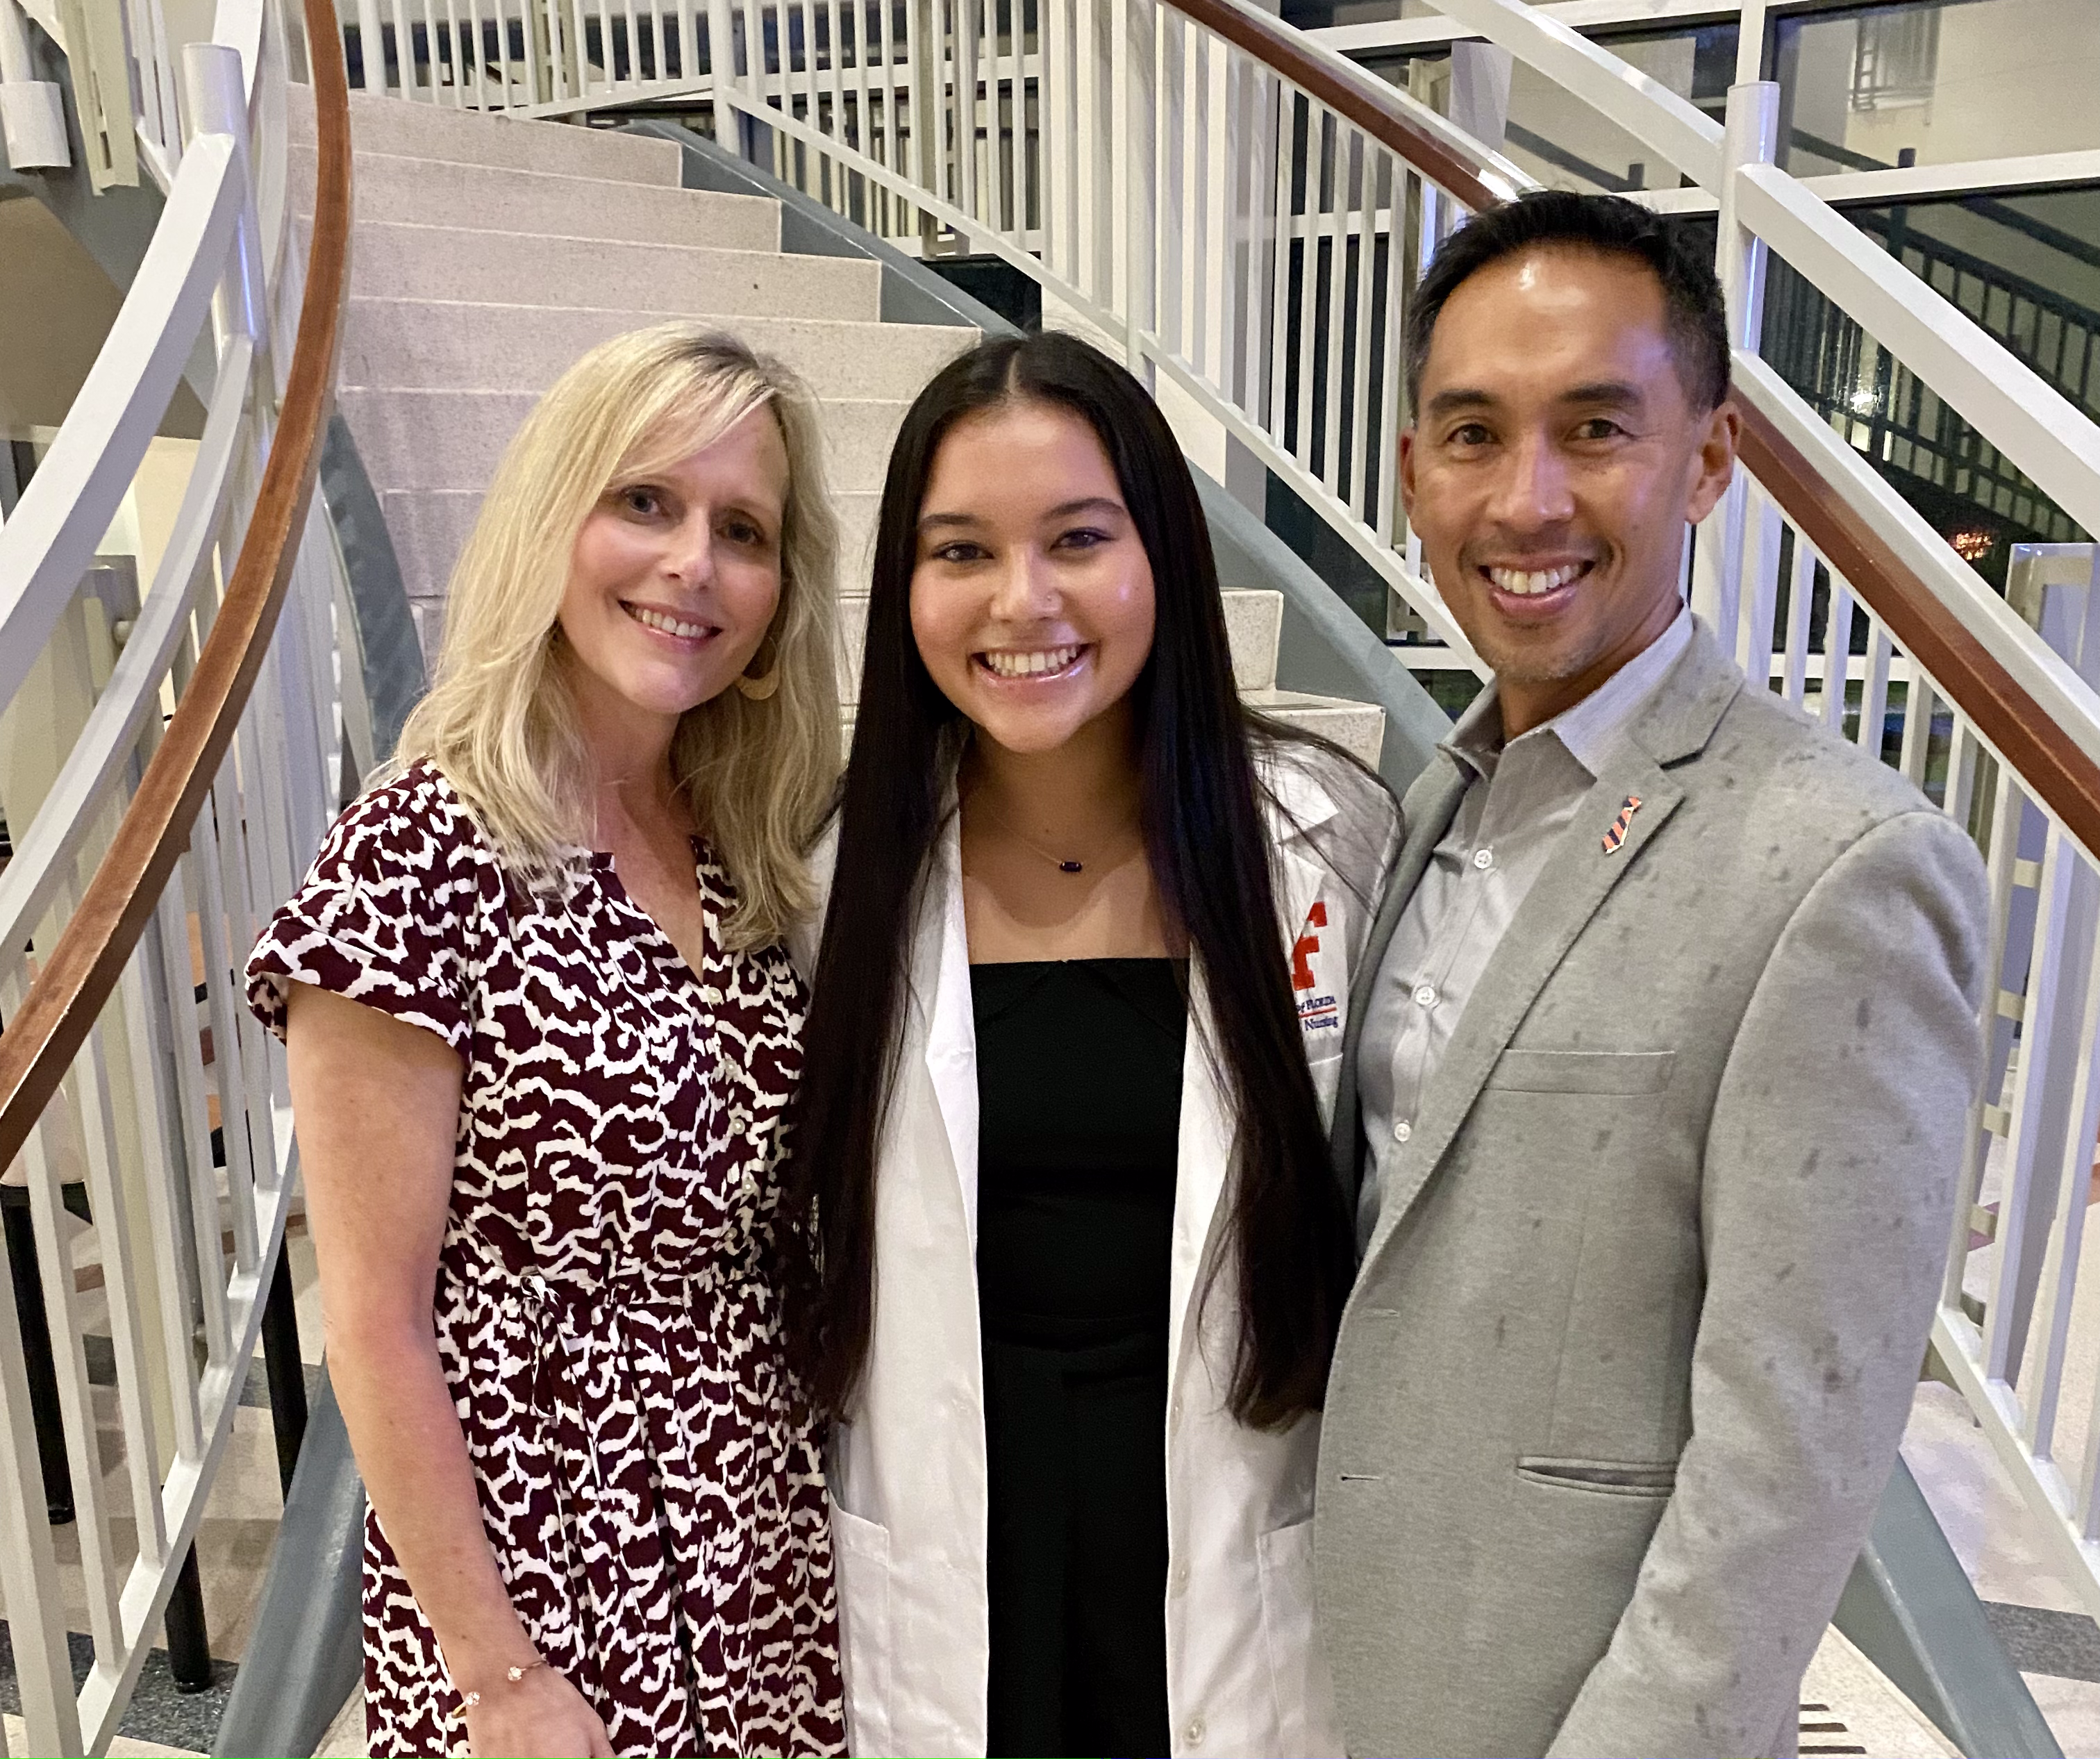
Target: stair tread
{"type": "Point", "coordinates": [470, 134]}
{"type": "Point", "coordinates": [473, 168]}
{"type": "Point", "coordinates": [367, 226]}
{"type": "Point", "coordinates": [390, 341]}
{"type": "Point", "coordinates": [489, 198]}
{"type": "Point", "coordinates": [1272, 698]}
{"type": "Point", "coordinates": [453, 439]}
{"type": "Point", "coordinates": [414, 260]}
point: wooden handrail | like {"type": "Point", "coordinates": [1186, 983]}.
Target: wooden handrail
{"type": "Point", "coordinates": [1285, 51]}
{"type": "Point", "coordinates": [81, 972]}
{"type": "Point", "coordinates": [2050, 764]}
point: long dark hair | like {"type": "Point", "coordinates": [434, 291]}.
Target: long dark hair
{"type": "Point", "coordinates": [1209, 853]}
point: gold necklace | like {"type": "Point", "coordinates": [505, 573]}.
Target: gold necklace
{"type": "Point", "coordinates": [1063, 864]}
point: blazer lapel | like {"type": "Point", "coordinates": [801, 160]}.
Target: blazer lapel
{"type": "Point", "coordinates": [1600, 848]}
{"type": "Point", "coordinates": [1431, 803]}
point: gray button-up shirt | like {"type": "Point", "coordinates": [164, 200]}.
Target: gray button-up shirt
{"type": "Point", "coordinates": [1520, 800]}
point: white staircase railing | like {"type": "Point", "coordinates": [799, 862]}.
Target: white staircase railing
{"type": "Point", "coordinates": [201, 739]}
{"type": "Point", "coordinates": [1243, 213]}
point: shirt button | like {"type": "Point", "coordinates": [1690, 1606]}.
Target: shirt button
{"type": "Point", "coordinates": [1425, 995]}
{"type": "Point", "coordinates": [1174, 1411]}
{"type": "Point", "coordinates": [1195, 1731]}
{"type": "Point", "coordinates": [1402, 1131]}
{"type": "Point", "coordinates": [1180, 1579]}
{"type": "Point", "coordinates": [1484, 859]}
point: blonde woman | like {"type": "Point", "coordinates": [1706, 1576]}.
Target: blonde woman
{"type": "Point", "coordinates": [541, 1033]}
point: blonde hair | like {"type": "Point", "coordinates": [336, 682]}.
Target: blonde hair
{"type": "Point", "coordinates": [499, 722]}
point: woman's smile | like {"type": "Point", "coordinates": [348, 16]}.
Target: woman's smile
{"type": "Point", "coordinates": [1036, 666]}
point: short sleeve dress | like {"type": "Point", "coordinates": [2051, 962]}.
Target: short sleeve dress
{"type": "Point", "coordinates": [604, 1314]}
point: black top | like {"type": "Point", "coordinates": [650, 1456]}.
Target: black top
{"type": "Point", "coordinates": [1079, 1110]}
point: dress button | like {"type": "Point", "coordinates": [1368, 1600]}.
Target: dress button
{"type": "Point", "coordinates": [1425, 995]}
{"type": "Point", "coordinates": [1402, 1131]}
{"type": "Point", "coordinates": [1484, 859]}
{"type": "Point", "coordinates": [1195, 1731]}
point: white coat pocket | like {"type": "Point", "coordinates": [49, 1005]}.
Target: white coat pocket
{"type": "Point", "coordinates": [1305, 1721]}
{"type": "Point", "coordinates": [861, 1550]}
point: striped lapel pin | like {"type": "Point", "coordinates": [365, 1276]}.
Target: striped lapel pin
{"type": "Point", "coordinates": [1615, 838]}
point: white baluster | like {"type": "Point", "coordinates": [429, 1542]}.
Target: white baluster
{"type": "Point", "coordinates": [1275, 414]}
{"type": "Point", "coordinates": [1392, 380]}
{"type": "Point", "coordinates": [2001, 855]}
{"type": "Point", "coordinates": [1356, 485]}
{"type": "Point", "coordinates": [1873, 726]}
{"type": "Point", "coordinates": [1335, 164]}
{"type": "Point", "coordinates": [2038, 1026]}
{"type": "Point", "coordinates": [1837, 654]}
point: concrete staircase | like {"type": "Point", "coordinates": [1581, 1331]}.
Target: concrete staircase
{"type": "Point", "coordinates": [488, 254]}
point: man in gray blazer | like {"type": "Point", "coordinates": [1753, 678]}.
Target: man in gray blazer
{"type": "Point", "coordinates": [1656, 1103]}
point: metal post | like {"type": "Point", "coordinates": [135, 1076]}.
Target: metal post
{"type": "Point", "coordinates": [1751, 137]}
{"type": "Point", "coordinates": [44, 1412]}
{"type": "Point", "coordinates": [215, 101]}
{"type": "Point", "coordinates": [924, 62]}
{"type": "Point", "coordinates": [287, 1372]}
{"type": "Point", "coordinates": [32, 112]}
{"type": "Point", "coordinates": [372, 46]}
{"type": "Point", "coordinates": [189, 1643]}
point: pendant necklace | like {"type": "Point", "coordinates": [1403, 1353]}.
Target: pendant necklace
{"type": "Point", "coordinates": [1063, 864]}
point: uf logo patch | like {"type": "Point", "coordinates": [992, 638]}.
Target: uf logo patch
{"type": "Point", "coordinates": [1317, 1012]}
{"type": "Point", "coordinates": [1308, 944]}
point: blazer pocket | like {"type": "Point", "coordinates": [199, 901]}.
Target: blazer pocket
{"type": "Point", "coordinates": [1304, 1692]}
{"type": "Point", "coordinates": [862, 1549]}
{"type": "Point", "coordinates": [1604, 1477]}
{"type": "Point", "coordinates": [1622, 1072]}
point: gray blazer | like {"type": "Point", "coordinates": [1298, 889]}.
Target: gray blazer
{"type": "Point", "coordinates": [1637, 1329]}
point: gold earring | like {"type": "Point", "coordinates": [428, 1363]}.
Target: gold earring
{"type": "Point", "coordinates": [760, 689]}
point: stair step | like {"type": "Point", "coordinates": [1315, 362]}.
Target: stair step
{"type": "Point", "coordinates": [1254, 625]}
{"type": "Point", "coordinates": [392, 259]}
{"type": "Point", "coordinates": [1358, 728]}
{"type": "Point", "coordinates": [463, 137]}
{"type": "Point", "coordinates": [504, 199]}
{"type": "Point", "coordinates": [1254, 619]}
{"type": "Point", "coordinates": [447, 345]}
{"type": "Point", "coordinates": [453, 439]}
{"type": "Point", "coordinates": [430, 527]}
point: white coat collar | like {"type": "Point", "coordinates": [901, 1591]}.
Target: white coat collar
{"type": "Point", "coordinates": [1296, 801]}
{"type": "Point", "coordinates": [951, 1034]}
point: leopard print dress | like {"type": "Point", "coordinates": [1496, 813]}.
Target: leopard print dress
{"type": "Point", "coordinates": [604, 1319]}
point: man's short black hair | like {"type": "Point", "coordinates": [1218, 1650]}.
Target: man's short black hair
{"type": "Point", "coordinates": [1692, 304]}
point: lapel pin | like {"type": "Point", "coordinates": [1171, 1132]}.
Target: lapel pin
{"type": "Point", "coordinates": [1615, 838]}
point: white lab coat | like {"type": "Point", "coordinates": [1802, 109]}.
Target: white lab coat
{"type": "Point", "coordinates": [907, 1474]}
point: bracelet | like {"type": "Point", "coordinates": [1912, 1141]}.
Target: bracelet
{"type": "Point", "coordinates": [514, 1675]}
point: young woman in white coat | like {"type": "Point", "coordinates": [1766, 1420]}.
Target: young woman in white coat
{"type": "Point", "coordinates": [1077, 1014]}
